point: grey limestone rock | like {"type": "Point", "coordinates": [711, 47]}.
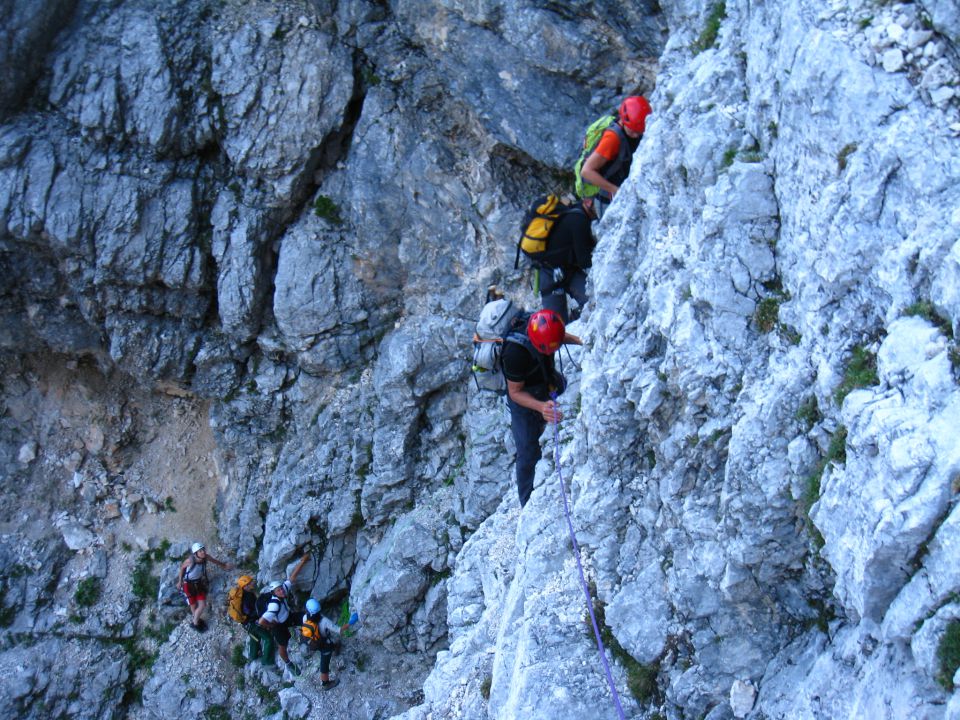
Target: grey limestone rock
{"type": "Point", "coordinates": [28, 29]}
{"type": "Point", "coordinates": [394, 583]}
{"type": "Point", "coordinates": [63, 676]}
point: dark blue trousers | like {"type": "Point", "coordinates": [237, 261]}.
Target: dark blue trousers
{"type": "Point", "coordinates": [527, 426]}
{"type": "Point", "coordinates": [553, 295]}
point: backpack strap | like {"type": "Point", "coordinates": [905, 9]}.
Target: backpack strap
{"type": "Point", "coordinates": [625, 153]}
{"type": "Point", "coordinates": [615, 164]}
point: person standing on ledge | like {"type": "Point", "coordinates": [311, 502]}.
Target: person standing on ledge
{"type": "Point", "coordinates": [192, 582]}
{"type": "Point", "coordinates": [608, 164]}
{"type": "Point", "coordinates": [527, 362]}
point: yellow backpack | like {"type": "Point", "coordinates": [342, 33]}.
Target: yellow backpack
{"type": "Point", "coordinates": [537, 224]}
{"type": "Point", "coordinates": [235, 605]}
{"type": "Point", "coordinates": [310, 630]}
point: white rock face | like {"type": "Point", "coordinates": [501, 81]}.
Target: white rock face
{"type": "Point", "coordinates": [873, 530]}
{"type": "Point", "coordinates": [693, 448]}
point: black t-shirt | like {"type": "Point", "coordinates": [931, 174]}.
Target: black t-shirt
{"type": "Point", "coordinates": [571, 242]}
{"type": "Point", "coordinates": [526, 365]}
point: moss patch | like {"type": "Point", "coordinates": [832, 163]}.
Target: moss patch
{"type": "Point", "coordinates": [845, 152]}
{"type": "Point", "coordinates": [87, 593]}
{"type": "Point", "coordinates": [860, 372]}
{"type": "Point", "coordinates": [948, 654]}
{"type": "Point", "coordinates": [327, 209]}
{"type": "Point", "coordinates": [711, 29]}
{"type": "Point", "coordinates": [641, 677]}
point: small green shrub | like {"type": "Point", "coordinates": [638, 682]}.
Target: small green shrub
{"type": "Point", "coordinates": [729, 155]}
{"type": "Point", "coordinates": [953, 354]}
{"type": "Point", "coordinates": [327, 209]}
{"type": "Point", "coordinates": [485, 687]}
{"type": "Point", "coordinates": [8, 613]}
{"type": "Point", "coordinates": [860, 372]}
{"type": "Point", "coordinates": [642, 680]}
{"type": "Point", "coordinates": [439, 577]}
{"type": "Point", "coordinates": [237, 658]}
{"type": "Point", "coordinates": [809, 412]}
{"type": "Point", "coordinates": [88, 592]}
{"type": "Point", "coordinates": [140, 657]}
{"type": "Point", "coordinates": [708, 36]}
{"type": "Point", "coordinates": [641, 677]}
{"type": "Point", "coordinates": [837, 450]}
{"type": "Point", "coordinates": [948, 653]}
{"type": "Point", "coordinates": [789, 334]}
{"type": "Point", "coordinates": [370, 78]}
{"type": "Point", "coordinates": [836, 453]}
{"type": "Point", "coordinates": [767, 314]}
{"type": "Point", "coordinates": [158, 632]}
{"type": "Point", "coordinates": [845, 152]}
{"type": "Point", "coordinates": [145, 586]}
{"type": "Point", "coordinates": [216, 712]}
{"type": "Point", "coordinates": [926, 310]}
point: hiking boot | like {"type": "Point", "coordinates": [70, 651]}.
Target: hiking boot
{"type": "Point", "coordinates": [329, 684]}
{"type": "Point", "coordinates": [202, 625]}
{"type": "Point", "coordinates": [198, 628]}
{"type": "Point", "coordinates": [293, 668]}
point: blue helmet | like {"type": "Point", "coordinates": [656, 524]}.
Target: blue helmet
{"type": "Point", "coordinates": [313, 607]}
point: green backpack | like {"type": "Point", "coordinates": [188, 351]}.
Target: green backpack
{"type": "Point", "coordinates": [590, 141]}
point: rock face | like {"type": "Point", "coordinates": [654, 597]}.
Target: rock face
{"type": "Point", "coordinates": [288, 213]}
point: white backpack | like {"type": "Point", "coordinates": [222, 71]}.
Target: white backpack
{"type": "Point", "coordinates": [495, 323]}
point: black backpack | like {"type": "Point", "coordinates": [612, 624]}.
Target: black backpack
{"type": "Point", "coordinates": [537, 224]}
{"type": "Point", "coordinates": [263, 599]}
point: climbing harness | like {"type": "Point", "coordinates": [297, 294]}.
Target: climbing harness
{"type": "Point", "coordinates": [576, 553]}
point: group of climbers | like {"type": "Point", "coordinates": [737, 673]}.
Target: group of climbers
{"type": "Point", "coordinates": [560, 246]}
{"type": "Point", "coordinates": [267, 617]}
{"type": "Point", "coordinates": [527, 345]}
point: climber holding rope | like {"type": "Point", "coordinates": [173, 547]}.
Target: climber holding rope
{"type": "Point", "coordinates": [531, 377]}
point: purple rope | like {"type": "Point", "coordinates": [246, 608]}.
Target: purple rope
{"type": "Point", "coordinates": [576, 552]}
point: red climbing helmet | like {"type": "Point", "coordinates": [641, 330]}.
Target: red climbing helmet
{"type": "Point", "coordinates": [545, 330]}
{"type": "Point", "coordinates": [633, 113]}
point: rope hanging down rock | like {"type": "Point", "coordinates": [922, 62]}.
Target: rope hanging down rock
{"type": "Point", "coordinates": [576, 553]}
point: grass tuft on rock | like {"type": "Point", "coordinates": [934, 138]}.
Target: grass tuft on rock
{"type": "Point", "coordinates": [711, 29]}
{"type": "Point", "coordinates": [88, 592]}
{"type": "Point", "coordinates": [860, 372]}
{"type": "Point", "coordinates": [948, 655]}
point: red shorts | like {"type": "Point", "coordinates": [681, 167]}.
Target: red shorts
{"type": "Point", "coordinates": [197, 594]}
